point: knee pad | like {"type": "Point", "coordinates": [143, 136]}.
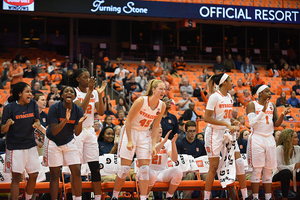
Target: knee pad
{"type": "Point", "coordinates": [240, 169]}
{"type": "Point", "coordinates": [267, 175]}
{"type": "Point", "coordinates": [177, 176]}
{"type": "Point", "coordinates": [123, 171]}
{"type": "Point", "coordinates": [144, 173]}
{"type": "Point", "coordinates": [256, 175]}
{"type": "Point", "coordinates": [152, 177]}
{"type": "Point", "coordinates": [95, 171]}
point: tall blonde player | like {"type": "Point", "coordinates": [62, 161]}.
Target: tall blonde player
{"type": "Point", "coordinates": [262, 115]}
{"type": "Point", "coordinates": [218, 114]}
{"type": "Point", "coordinates": [88, 99]}
{"type": "Point", "coordinates": [136, 138]}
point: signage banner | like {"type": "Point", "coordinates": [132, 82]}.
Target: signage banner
{"type": "Point", "coordinates": [18, 5]}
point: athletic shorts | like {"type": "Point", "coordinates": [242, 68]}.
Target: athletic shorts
{"type": "Point", "coordinates": [64, 155]}
{"type": "Point", "coordinates": [87, 145]}
{"type": "Point", "coordinates": [142, 144]}
{"type": "Point", "coordinates": [214, 142]}
{"type": "Point", "coordinates": [18, 160]}
{"type": "Point", "coordinates": [262, 151]}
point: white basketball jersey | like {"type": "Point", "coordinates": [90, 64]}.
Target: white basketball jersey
{"type": "Point", "coordinates": [159, 162]}
{"type": "Point", "coordinates": [91, 107]}
{"type": "Point", "coordinates": [222, 107]}
{"type": "Point", "coordinates": [145, 115]}
{"type": "Point", "coordinates": [265, 126]}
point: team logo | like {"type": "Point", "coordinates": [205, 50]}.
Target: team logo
{"type": "Point", "coordinates": [271, 108]}
{"type": "Point", "coordinates": [157, 113]}
{"type": "Point", "coordinates": [92, 96]}
{"type": "Point", "coordinates": [108, 160]}
{"type": "Point", "coordinates": [101, 166]}
{"type": "Point", "coordinates": [163, 147]}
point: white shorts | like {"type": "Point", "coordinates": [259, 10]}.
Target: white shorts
{"type": "Point", "coordinates": [18, 160]}
{"type": "Point", "coordinates": [64, 155]}
{"type": "Point", "coordinates": [142, 143]}
{"type": "Point", "coordinates": [87, 144]}
{"type": "Point", "coordinates": [262, 151]}
{"type": "Point", "coordinates": [214, 142]}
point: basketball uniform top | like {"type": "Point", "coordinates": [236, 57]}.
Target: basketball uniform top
{"type": "Point", "coordinates": [265, 126]}
{"type": "Point", "coordinates": [222, 107]}
{"type": "Point", "coordinates": [159, 162]}
{"type": "Point", "coordinates": [89, 121]}
{"type": "Point", "coordinates": [145, 115]}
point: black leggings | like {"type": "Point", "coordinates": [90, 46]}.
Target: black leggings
{"type": "Point", "coordinates": [285, 176]}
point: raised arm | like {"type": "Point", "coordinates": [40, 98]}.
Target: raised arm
{"type": "Point", "coordinates": [100, 105]}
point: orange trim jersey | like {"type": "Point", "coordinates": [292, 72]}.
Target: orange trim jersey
{"type": "Point", "coordinates": [159, 161]}
{"type": "Point", "coordinates": [145, 115]}
{"type": "Point", "coordinates": [265, 126]}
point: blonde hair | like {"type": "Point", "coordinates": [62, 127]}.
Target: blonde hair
{"type": "Point", "coordinates": [152, 84]}
{"type": "Point", "coordinates": [285, 139]}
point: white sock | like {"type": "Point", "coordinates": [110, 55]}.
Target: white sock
{"type": "Point", "coordinates": [73, 197]}
{"type": "Point", "coordinates": [28, 196]}
{"type": "Point", "coordinates": [143, 197]}
{"type": "Point", "coordinates": [97, 197]}
{"type": "Point", "coordinates": [255, 196]}
{"type": "Point", "coordinates": [78, 198]}
{"type": "Point", "coordinates": [207, 195]}
{"type": "Point", "coordinates": [268, 196]}
{"type": "Point", "coordinates": [116, 194]}
{"type": "Point", "coordinates": [244, 193]}
{"type": "Point", "coordinates": [169, 195]}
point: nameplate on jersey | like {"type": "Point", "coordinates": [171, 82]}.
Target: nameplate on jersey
{"type": "Point", "coordinates": [92, 100]}
{"type": "Point", "coordinates": [23, 116]}
{"type": "Point", "coordinates": [69, 121]}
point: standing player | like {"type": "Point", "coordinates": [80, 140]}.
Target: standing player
{"type": "Point", "coordinates": [136, 137]}
{"type": "Point", "coordinates": [158, 164]}
{"type": "Point", "coordinates": [19, 119]}
{"type": "Point", "coordinates": [88, 99]}
{"type": "Point", "coordinates": [262, 115]}
{"type": "Point", "coordinates": [218, 114]}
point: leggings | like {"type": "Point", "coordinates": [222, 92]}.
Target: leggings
{"type": "Point", "coordinates": [285, 176]}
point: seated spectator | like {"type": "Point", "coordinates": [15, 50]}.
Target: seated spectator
{"type": "Point", "coordinates": [52, 66]}
{"type": "Point", "coordinates": [117, 130]}
{"type": "Point", "coordinates": [205, 74]}
{"type": "Point", "coordinates": [15, 74]}
{"type": "Point", "coordinates": [190, 113]}
{"type": "Point", "coordinates": [282, 63]}
{"type": "Point", "coordinates": [146, 88]}
{"type": "Point", "coordinates": [229, 63]}
{"type": "Point", "coordinates": [151, 76]}
{"type": "Point", "coordinates": [122, 105]}
{"type": "Point", "coordinates": [243, 142]}
{"type": "Point", "coordinates": [200, 136]}
{"type": "Point", "coordinates": [74, 67]}
{"type": "Point", "coordinates": [245, 134]}
{"type": "Point", "coordinates": [234, 115]}
{"type": "Point", "coordinates": [281, 101]}
{"type": "Point", "coordinates": [20, 57]}
{"type": "Point", "coordinates": [127, 78]}
{"type": "Point", "coordinates": [29, 71]}
{"type": "Point", "coordinates": [107, 66]}
{"type": "Point", "coordinates": [157, 69]}
{"type": "Point", "coordinates": [183, 104]}
{"type": "Point", "coordinates": [44, 76]}
{"type": "Point", "coordinates": [247, 81]}
{"type": "Point", "coordinates": [270, 64]}
{"type": "Point", "coordinates": [36, 89]}
{"type": "Point", "coordinates": [4, 74]}
{"type": "Point", "coordinates": [178, 64]}
{"type": "Point", "coordinates": [166, 65]}
{"type": "Point", "coordinates": [288, 157]}
{"type": "Point", "coordinates": [273, 72]}
{"type": "Point", "coordinates": [107, 106]}
{"type": "Point", "coordinates": [66, 65]}
{"type": "Point", "coordinates": [242, 121]}
{"type": "Point", "coordinates": [53, 96]}
{"type": "Point", "coordinates": [239, 89]}
{"type": "Point", "coordinates": [37, 79]}
{"type": "Point", "coordinates": [296, 87]}
{"type": "Point", "coordinates": [116, 65]}
{"type": "Point", "coordinates": [218, 66]}
{"type": "Point", "coordinates": [293, 101]}
{"type": "Point", "coordinates": [56, 77]}
{"type": "Point", "coordinates": [286, 72]}
{"type": "Point", "coordinates": [141, 78]}
{"type": "Point", "coordinates": [108, 122]}
{"type": "Point", "coordinates": [247, 67]}
{"type": "Point", "coordinates": [198, 92]}
{"type": "Point", "coordinates": [246, 98]}
{"type": "Point", "coordinates": [143, 67]}
{"type": "Point", "coordinates": [257, 80]}
{"type": "Point", "coordinates": [120, 72]}
{"type": "Point", "coordinates": [168, 76]}
{"type": "Point", "coordinates": [190, 145]}
{"type": "Point", "coordinates": [234, 98]}
{"type": "Point", "coordinates": [132, 86]}
{"type": "Point", "coordinates": [106, 141]}
{"type": "Point", "coordinates": [239, 62]}
{"type": "Point", "coordinates": [168, 121]}
{"type": "Point", "coordinates": [276, 135]}
{"type": "Point", "coordinates": [297, 71]}
{"type": "Point", "coordinates": [97, 127]}
{"type": "Point", "coordinates": [181, 133]}
{"type": "Point", "coordinates": [186, 87]}
{"type": "Point", "coordinates": [284, 87]}
{"type": "Point", "coordinates": [121, 118]}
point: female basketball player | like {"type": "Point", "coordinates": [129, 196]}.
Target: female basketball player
{"type": "Point", "coordinates": [65, 118]}
{"type": "Point", "coordinates": [136, 137]}
{"type": "Point", "coordinates": [88, 99]}
{"type": "Point", "coordinates": [218, 114]}
{"type": "Point", "coordinates": [262, 115]}
{"type": "Point", "coordinates": [19, 119]}
{"type": "Point", "coordinates": [158, 172]}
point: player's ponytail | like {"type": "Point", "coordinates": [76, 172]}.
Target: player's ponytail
{"type": "Point", "coordinates": [17, 89]}
{"type": "Point", "coordinates": [72, 78]}
{"type": "Point", "coordinates": [152, 84]}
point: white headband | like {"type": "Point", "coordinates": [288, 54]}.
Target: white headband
{"type": "Point", "coordinates": [224, 77]}
{"type": "Point", "coordinates": [260, 89]}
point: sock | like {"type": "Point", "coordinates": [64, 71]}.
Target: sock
{"type": "Point", "coordinates": [28, 196]}
{"type": "Point", "coordinates": [244, 193]}
{"type": "Point", "coordinates": [73, 197]}
{"type": "Point", "coordinates": [116, 194]}
{"type": "Point", "coordinates": [78, 198]}
{"type": "Point", "coordinates": [255, 196]}
{"type": "Point", "coordinates": [97, 197]}
{"type": "Point", "coordinates": [268, 196]}
{"type": "Point", "coordinates": [207, 195]}
{"type": "Point", "coordinates": [143, 197]}
{"type": "Point", "coordinates": [169, 195]}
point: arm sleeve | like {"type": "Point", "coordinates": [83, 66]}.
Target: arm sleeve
{"type": "Point", "coordinates": [212, 102]}
{"type": "Point", "coordinates": [280, 160]}
{"type": "Point", "coordinates": [254, 119]}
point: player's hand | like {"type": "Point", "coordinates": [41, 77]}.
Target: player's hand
{"type": "Point", "coordinates": [297, 165]}
{"type": "Point", "coordinates": [286, 111]}
{"type": "Point", "coordinates": [68, 114]}
{"type": "Point", "coordinates": [130, 145]}
{"type": "Point", "coordinates": [82, 119]}
{"type": "Point", "coordinates": [9, 122]}
{"type": "Point", "coordinates": [103, 86]}
{"type": "Point", "coordinates": [153, 151]}
{"type": "Point", "coordinates": [92, 83]}
{"type": "Point", "coordinates": [36, 124]}
{"type": "Point", "coordinates": [266, 104]}
{"type": "Point", "coordinates": [231, 128]}
{"type": "Point", "coordinates": [174, 138]}
{"type": "Point", "coordinates": [166, 137]}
